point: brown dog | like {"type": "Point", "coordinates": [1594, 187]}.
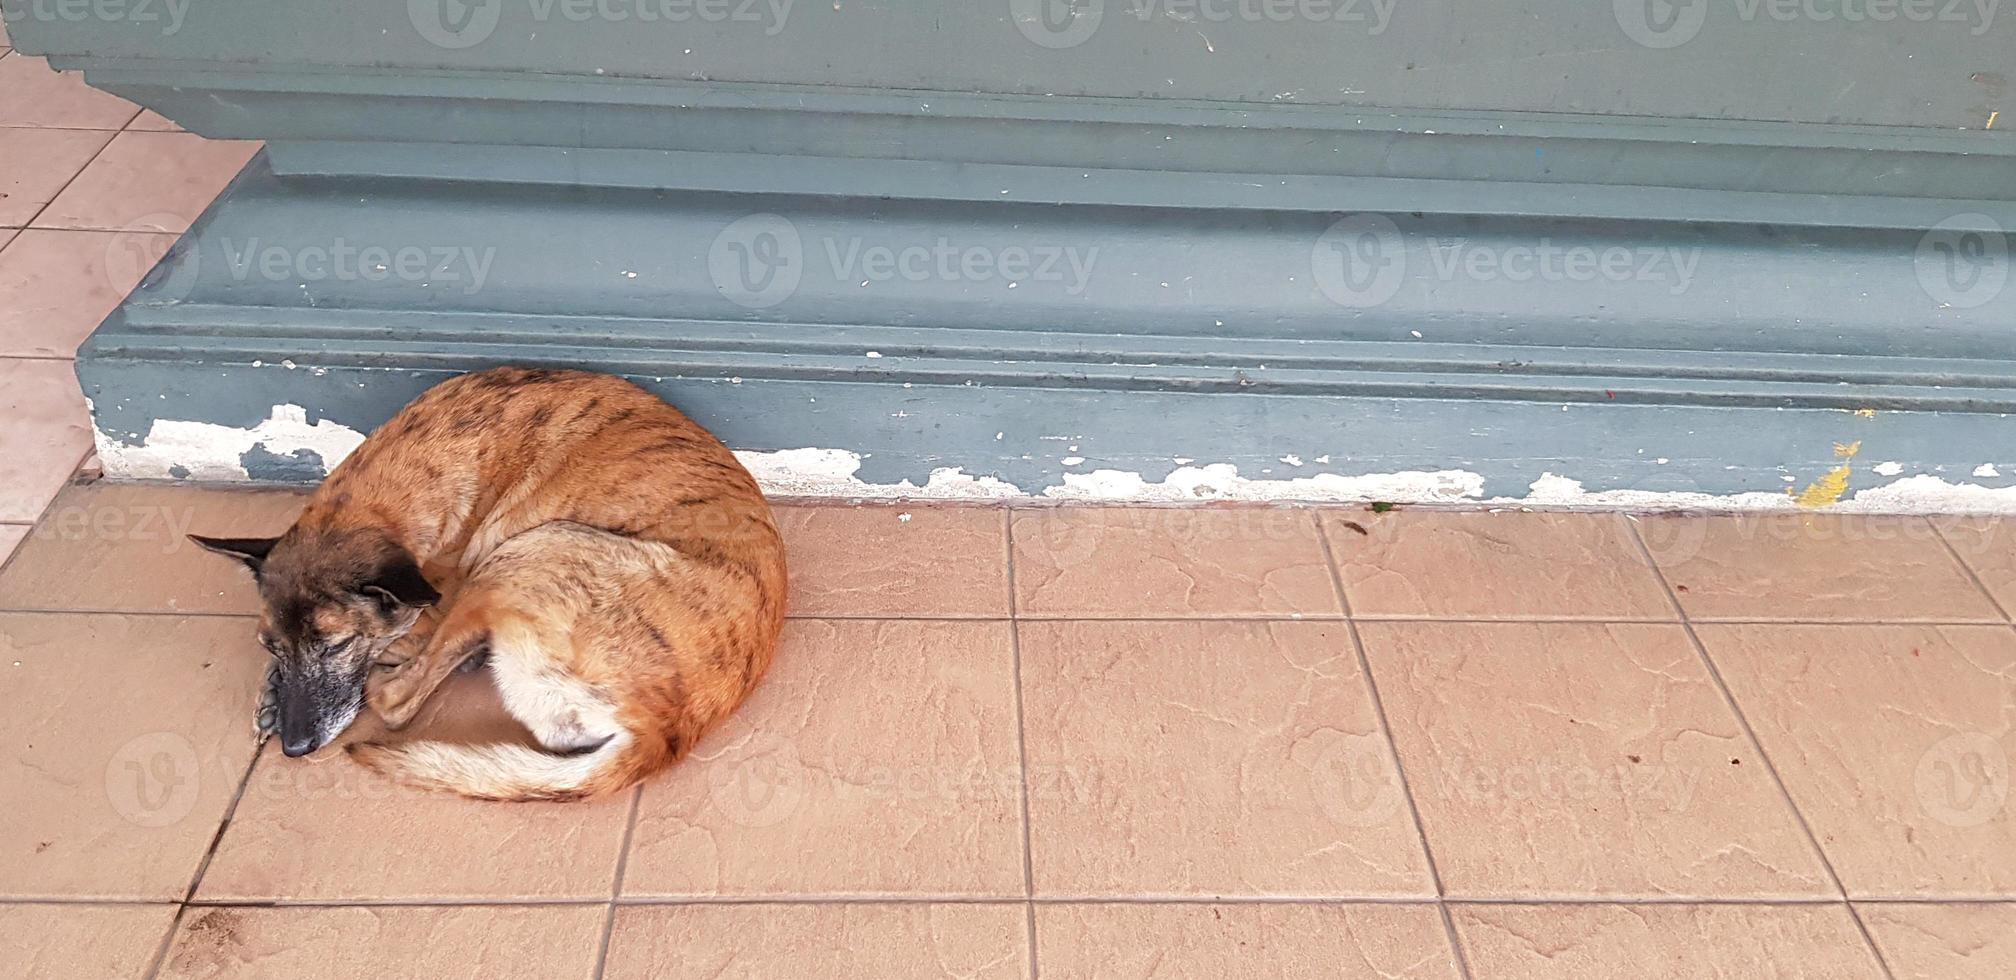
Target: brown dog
{"type": "Point", "coordinates": [616, 565]}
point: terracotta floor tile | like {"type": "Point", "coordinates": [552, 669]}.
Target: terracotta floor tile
{"type": "Point", "coordinates": [439, 943]}
{"type": "Point", "coordinates": [878, 758]}
{"type": "Point", "coordinates": [1092, 562]}
{"type": "Point", "coordinates": [1216, 758]}
{"type": "Point", "coordinates": [896, 561]}
{"type": "Point", "coordinates": [33, 95]}
{"type": "Point", "coordinates": [124, 548]}
{"type": "Point", "coordinates": [1895, 742]}
{"type": "Point", "coordinates": [127, 738]}
{"type": "Point", "coordinates": [1988, 546]}
{"type": "Point", "coordinates": [831, 942]}
{"type": "Point", "coordinates": [57, 286]}
{"type": "Point", "coordinates": [148, 182]}
{"type": "Point", "coordinates": [39, 163]}
{"type": "Point", "coordinates": [1348, 942]}
{"type": "Point", "coordinates": [323, 827]}
{"type": "Point", "coordinates": [1664, 942]}
{"type": "Point", "coordinates": [1579, 759]}
{"type": "Point", "coordinates": [45, 437]}
{"type": "Point", "coordinates": [7, 235]}
{"type": "Point", "coordinates": [1507, 565]}
{"type": "Point", "coordinates": [1813, 567]}
{"type": "Point", "coordinates": [74, 942]}
{"type": "Point", "coordinates": [1945, 942]}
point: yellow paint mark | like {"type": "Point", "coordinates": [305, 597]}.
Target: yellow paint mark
{"type": "Point", "coordinates": [1829, 488]}
{"type": "Point", "coordinates": [1865, 413]}
{"type": "Point", "coordinates": [1997, 114]}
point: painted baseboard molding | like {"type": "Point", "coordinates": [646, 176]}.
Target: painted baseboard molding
{"type": "Point", "coordinates": [1189, 354]}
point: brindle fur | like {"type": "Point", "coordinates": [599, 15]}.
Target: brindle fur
{"type": "Point", "coordinates": [617, 566]}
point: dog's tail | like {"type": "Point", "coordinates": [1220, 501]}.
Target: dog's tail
{"type": "Point", "coordinates": [515, 772]}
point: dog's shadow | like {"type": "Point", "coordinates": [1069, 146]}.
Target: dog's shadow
{"type": "Point", "coordinates": [467, 708]}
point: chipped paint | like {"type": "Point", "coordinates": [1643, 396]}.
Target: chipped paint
{"type": "Point", "coordinates": [206, 451]}
{"type": "Point", "coordinates": [1221, 481]}
{"type": "Point", "coordinates": [830, 473]}
{"type": "Point", "coordinates": [210, 452]}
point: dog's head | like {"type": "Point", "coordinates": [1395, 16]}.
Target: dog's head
{"type": "Point", "coordinates": [330, 604]}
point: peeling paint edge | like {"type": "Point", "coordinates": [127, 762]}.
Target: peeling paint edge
{"type": "Point", "coordinates": [209, 452]}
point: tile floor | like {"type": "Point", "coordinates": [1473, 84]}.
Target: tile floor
{"type": "Point", "coordinates": [92, 191]}
{"type": "Point", "coordinates": [1128, 743]}
{"type": "Point", "coordinates": [1094, 742]}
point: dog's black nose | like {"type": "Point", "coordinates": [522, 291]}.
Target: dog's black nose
{"type": "Point", "coordinates": [296, 747]}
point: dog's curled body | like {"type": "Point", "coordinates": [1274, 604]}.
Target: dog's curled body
{"type": "Point", "coordinates": [618, 567]}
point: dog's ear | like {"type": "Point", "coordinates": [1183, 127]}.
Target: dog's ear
{"type": "Point", "coordinates": [251, 551]}
{"type": "Point", "coordinates": [398, 583]}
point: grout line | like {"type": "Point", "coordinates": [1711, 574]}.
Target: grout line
{"type": "Point", "coordinates": [196, 881]}
{"type": "Point", "coordinates": [1392, 749]}
{"type": "Point", "coordinates": [7, 561]}
{"type": "Point", "coordinates": [1770, 765]}
{"type": "Point", "coordinates": [391, 903]}
{"type": "Point", "coordinates": [1035, 970]}
{"type": "Point", "coordinates": [616, 881]}
{"type": "Point", "coordinates": [1979, 585]}
{"type": "Point", "coordinates": [74, 900]}
{"type": "Point", "coordinates": [165, 613]}
{"type": "Point", "coordinates": [646, 901]}
{"type": "Point", "coordinates": [58, 192]}
{"type": "Point", "coordinates": [1046, 618]}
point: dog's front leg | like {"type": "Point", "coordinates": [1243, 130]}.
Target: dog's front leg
{"type": "Point", "coordinates": [405, 648]}
{"type": "Point", "coordinates": [397, 694]}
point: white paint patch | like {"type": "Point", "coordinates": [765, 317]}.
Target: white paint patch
{"type": "Point", "coordinates": [830, 473]}
{"type": "Point", "coordinates": [1887, 469]}
{"type": "Point", "coordinates": [206, 451]}
{"type": "Point", "coordinates": [1922, 494]}
{"type": "Point", "coordinates": [212, 452]}
{"type": "Point", "coordinates": [1221, 481]}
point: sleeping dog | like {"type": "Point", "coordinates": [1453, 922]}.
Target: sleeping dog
{"type": "Point", "coordinates": [611, 562]}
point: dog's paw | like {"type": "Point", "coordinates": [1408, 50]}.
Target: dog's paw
{"type": "Point", "coordinates": [393, 697]}
{"type": "Point", "coordinates": [266, 720]}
